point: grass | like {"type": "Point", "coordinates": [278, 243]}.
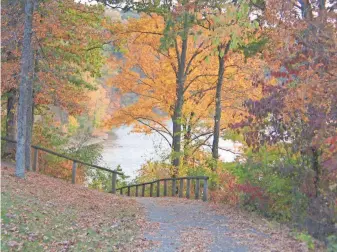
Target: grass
{"type": "Point", "coordinates": [40, 213]}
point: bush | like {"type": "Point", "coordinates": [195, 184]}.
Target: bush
{"type": "Point", "coordinates": [332, 243]}
{"type": "Point", "coordinates": [227, 188]}
{"type": "Point", "coordinates": [267, 182]}
{"type": "Point", "coordinates": [307, 239]}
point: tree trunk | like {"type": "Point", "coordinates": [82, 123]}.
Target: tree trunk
{"type": "Point", "coordinates": [323, 13]}
{"type": "Point", "coordinates": [316, 168]}
{"type": "Point", "coordinates": [176, 140]}
{"type": "Point", "coordinates": [217, 115]}
{"type": "Point", "coordinates": [29, 120]}
{"type": "Point", "coordinates": [26, 75]}
{"type": "Point", "coordinates": [187, 139]}
{"type": "Point", "coordinates": [30, 109]}
{"type": "Point", "coordinates": [11, 122]}
{"type": "Point", "coordinates": [306, 10]}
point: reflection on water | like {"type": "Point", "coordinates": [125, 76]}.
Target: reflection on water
{"type": "Point", "coordinates": [131, 150]}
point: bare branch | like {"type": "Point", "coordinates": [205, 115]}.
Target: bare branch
{"type": "Point", "coordinates": [156, 130]}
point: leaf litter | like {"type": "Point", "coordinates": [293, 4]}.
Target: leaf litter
{"type": "Point", "coordinates": [41, 213]}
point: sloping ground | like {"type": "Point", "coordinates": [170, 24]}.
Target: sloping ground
{"type": "Point", "coordinates": [41, 213]}
{"type": "Point", "coordinates": [189, 225]}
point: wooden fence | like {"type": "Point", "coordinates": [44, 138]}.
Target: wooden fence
{"type": "Point", "coordinates": [175, 188]}
{"type": "Point", "coordinates": [193, 180]}
{"type": "Point", "coordinates": [35, 164]}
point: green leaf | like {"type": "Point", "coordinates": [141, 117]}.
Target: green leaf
{"type": "Point", "coordinates": [254, 47]}
{"type": "Point", "coordinates": [207, 59]}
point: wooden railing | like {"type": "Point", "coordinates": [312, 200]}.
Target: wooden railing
{"type": "Point", "coordinates": [193, 181]}
{"type": "Point", "coordinates": [74, 166]}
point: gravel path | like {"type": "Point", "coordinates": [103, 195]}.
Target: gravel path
{"type": "Point", "coordinates": [186, 225]}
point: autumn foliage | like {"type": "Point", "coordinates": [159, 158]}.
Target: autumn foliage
{"type": "Point", "coordinates": [261, 74]}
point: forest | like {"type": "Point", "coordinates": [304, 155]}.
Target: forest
{"type": "Point", "coordinates": [261, 74]}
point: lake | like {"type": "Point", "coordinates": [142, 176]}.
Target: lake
{"type": "Point", "coordinates": [131, 150]}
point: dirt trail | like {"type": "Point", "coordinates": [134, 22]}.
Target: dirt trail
{"type": "Point", "coordinates": [187, 225]}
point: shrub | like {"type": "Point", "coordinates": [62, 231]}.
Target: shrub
{"type": "Point", "coordinates": [307, 239]}
{"type": "Point", "coordinates": [227, 188]}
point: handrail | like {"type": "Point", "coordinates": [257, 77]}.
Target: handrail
{"type": "Point", "coordinates": [75, 162]}
{"type": "Point", "coordinates": [66, 157]}
{"type": "Point", "coordinates": [175, 188]}
{"type": "Point", "coordinates": [154, 181]}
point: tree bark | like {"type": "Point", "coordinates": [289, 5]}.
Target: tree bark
{"type": "Point", "coordinates": [217, 115]}
{"type": "Point", "coordinates": [30, 109]}
{"type": "Point", "coordinates": [12, 101]}
{"type": "Point", "coordinates": [26, 75]}
{"type": "Point", "coordinates": [176, 139]}
{"type": "Point", "coordinates": [29, 117]}
{"type": "Point", "coordinates": [316, 168]}
{"type": "Point", "coordinates": [187, 139]}
{"type": "Point", "coordinates": [306, 10]}
{"type": "Point", "coordinates": [322, 11]}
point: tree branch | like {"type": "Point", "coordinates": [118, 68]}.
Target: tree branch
{"type": "Point", "coordinates": [156, 130]}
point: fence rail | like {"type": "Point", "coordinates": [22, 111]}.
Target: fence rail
{"type": "Point", "coordinates": [75, 162]}
{"type": "Point", "coordinates": [175, 190]}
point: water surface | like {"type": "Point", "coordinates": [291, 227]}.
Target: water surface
{"type": "Point", "coordinates": [131, 150]}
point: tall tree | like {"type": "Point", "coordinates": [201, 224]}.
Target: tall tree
{"type": "Point", "coordinates": [182, 71]}
{"type": "Point", "coordinates": [149, 74]}
{"type": "Point", "coordinates": [231, 29]}
{"type": "Point", "coordinates": [66, 35]}
{"type": "Point", "coordinates": [299, 104]}
{"type": "Point", "coordinates": [12, 20]}
{"type": "Point", "coordinates": [173, 64]}
{"type": "Point", "coordinates": [11, 120]}
{"type": "Point", "coordinates": [179, 18]}
{"type": "Point", "coordinates": [24, 90]}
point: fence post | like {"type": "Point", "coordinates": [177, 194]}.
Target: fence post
{"type": "Point", "coordinates": [151, 189]}
{"type": "Point", "coordinates": [158, 188]}
{"type": "Point", "coordinates": [181, 188]}
{"type": "Point", "coordinates": [128, 190]}
{"type": "Point", "coordinates": [73, 175]}
{"type": "Point", "coordinates": [173, 187]}
{"type": "Point", "coordinates": [197, 188]}
{"type": "Point", "coordinates": [35, 159]}
{"type": "Point", "coordinates": [143, 190]}
{"type": "Point", "coordinates": [165, 187]}
{"type": "Point", "coordinates": [114, 179]}
{"type": "Point", "coordinates": [30, 165]}
{"type": "Point", "coordinates": [204, 198]}
{"type": "Point", "coordinates": [136, 191]}
{"type": "Point", "coordinates": [188, 188]}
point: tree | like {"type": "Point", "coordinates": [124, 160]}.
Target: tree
{"type": "Point", "coordinates": [179, 19]}
{"type": "Point", "coordinates": [25, 87]}
{"type": "Point", "coordinates": [299, 103]}
{"type": "Point", "coordinates": [230, 28]}
{"type": "Point", "coordinates": [149, 74]}
{"type": "Point", "coordinates": [65, 47]}
{"type": "Point", "coordinates": [12, 15]}
{"type": "Point", "coordinates": [143, 37]}
{"type": "Point", "coordinates": [64, 51]}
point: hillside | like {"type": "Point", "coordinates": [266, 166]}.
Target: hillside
{"type": "Point", "coordinates": [41, 213]}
